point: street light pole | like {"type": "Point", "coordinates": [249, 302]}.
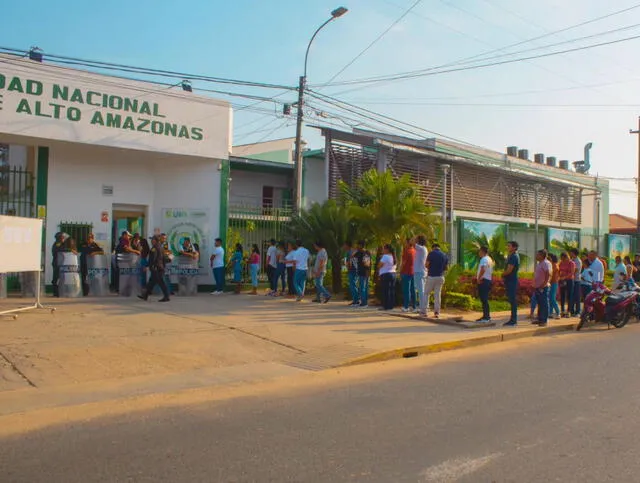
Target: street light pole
{"type": "Point", "coordinates": [338, 12]}
{"type": "Point", "coordinates": [631, 131]}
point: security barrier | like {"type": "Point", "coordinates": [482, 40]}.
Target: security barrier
{"type": "Point", "coordinates": [97, 276]}
{"type": "Point", "coordinates": [186, 269]}
{"type": "Point", "coordinates": [3, 285]}
{"type": "Point", "coordinates": [129, 278]}
{"type": "Point", "coordinates": [70, 282]}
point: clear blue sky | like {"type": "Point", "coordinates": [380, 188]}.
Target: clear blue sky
{"type": "Point", "coordinates": [492, 107]}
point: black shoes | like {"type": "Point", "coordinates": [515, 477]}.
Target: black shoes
{"type": "Point", "coordinates": [165, 299]}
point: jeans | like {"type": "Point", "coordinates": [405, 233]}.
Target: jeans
{"type": "Point", "coordinates": [321, 291]}
{"type": "Point", "coordinates": [271, 276]}
{"type": "Point", "coordinates": [218, 276]}
{"type": "Point", "coordinates": [300, 282]}
{"type": "Point", "coordinates": [553, 299]}
{"type": "Point", "coordinates": [577, 295]}
{"type": "Point", "coordinates": [253, 271]}
{"type": "Point", "coordinates": [353, 287]}
{"type": "Point", "coordinates": [408, 291]}
{"type": "Point", "coordinates": [566, 295]}
{"type": "Point", "coordinates": [484, 288]}
{"type": "Point", "coordinates": [388, 282]}
{"type": "Point", "coordinates": [511, 284]}
{"type": "Point", "coordinates": [281, 274]}
{"type": "Point", "coordinates": [542, 299]}
{"type": "Point", "coordinates": [434, 284]}
{"type": "Point", "coordinates": [418, 281]}
{"type": "Point", "coordinates": [363, 289]}
{"type": "Point", "coordinates": [290, 283]}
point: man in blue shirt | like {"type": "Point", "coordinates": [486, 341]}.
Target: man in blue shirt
{"type": "Point", "coordinates": [510, 276]}
{"type": "Point", "coordinates": [436, 266]}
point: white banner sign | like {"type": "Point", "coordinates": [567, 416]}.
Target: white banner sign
{"type": "Point", "coordinates": [20, 244]}
{"type": "Point", "coordinates": [181, 223]}
{"type": "Point", "coordinates": [51, 102]}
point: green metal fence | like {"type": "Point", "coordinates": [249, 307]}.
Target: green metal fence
{"type": "Point", "coordinates": [77, 230]}
{"type": "Point", "coordinates": [16, 192]}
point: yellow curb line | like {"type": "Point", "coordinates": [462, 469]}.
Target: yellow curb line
{"type": "Point", "coordinates": [407, 352]}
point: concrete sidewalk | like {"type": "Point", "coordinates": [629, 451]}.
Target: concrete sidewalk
{"type": "Point", "coordinates": [97, 349]}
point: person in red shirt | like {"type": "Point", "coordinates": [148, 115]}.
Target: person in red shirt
{"type": "Point", "coordinates": [567, 271]}
{"type": "Point", "coordinates": [406, 276]}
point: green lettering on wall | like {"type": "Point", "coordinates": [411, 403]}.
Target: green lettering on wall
{"type": "Point", "coordinates": [90, 96]}
{"type": "Point", "coordinates": [114, 120]}
{"type": "Point", "coordinates": [74, 114]}
{"type": "Point", "coordinates": [130, 105]}
{"type": "Point", "coordinates": [23, 106]}
{"type": "Point", "coordinates": [196, 133]}
{"type": "Point", "coordinates": [77, 96]}
{"type": "Point", "coordinates": [170, 129]}
{"type": "Point", "coordinates": [60, 92]}
{"type": "Point", "coordinates": [15, 85]}
{"type": "Point", "coordinates": [184, 132]}
{"type": "Point", "coordinates": [34, 87]}
{"type": "Point", "coordinates": [145, 109]}
{"type": "Point", "coordinates": [38, 110]}
{"type": "Point", "coordinates": [156, 110]}
{"type": "Point", "coordinates": [3, 81]}
{"type": "Point", "coordinates": [97, 118]}
{"type": "Point", "coordinates": [128, 124]}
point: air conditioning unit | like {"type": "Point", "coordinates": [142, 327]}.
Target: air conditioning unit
{"type": "Point", "coordinates": [539, 158]}
{"type": "Point", "coordinates": [523, 154]}
{"type": "Point", "coordinates": [512, 151]}
{"type": "Point", "coordinates": [551, 161]}
{"type": "Point", "coordinates": [564, 164]}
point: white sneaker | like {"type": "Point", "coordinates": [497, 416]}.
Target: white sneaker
{"type": "Point", "coordinates": [363, 307]}
{"type": "Point", "coordinates": [484, 321]}
{"type": "Point", "coordinates": [405, 310]}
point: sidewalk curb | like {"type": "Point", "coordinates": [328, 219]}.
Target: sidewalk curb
{"type": "Point", "coordinates": [407, 352]}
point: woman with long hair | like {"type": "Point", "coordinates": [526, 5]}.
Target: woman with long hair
{"type": "Point", "coordinates": [387, 270]}
{"type": "Point", "coordinates": [288, 261]}
{"type": "Point", "coordinates": [254, 267]}
{"type": "Point", "coordinates": [554, 310]}
{"type": "Point", "coordinates": [236, 263]}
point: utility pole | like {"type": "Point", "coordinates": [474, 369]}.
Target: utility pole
{"type": "Point", "coordinates": [631, 131]}
{"type": "Point", "coordinates": [536, 190]}
{"type": "Point", "coordinates": [445, 171]}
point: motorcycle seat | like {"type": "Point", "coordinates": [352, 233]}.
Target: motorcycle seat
{"type": "Point", "coordinates": [614, 299]}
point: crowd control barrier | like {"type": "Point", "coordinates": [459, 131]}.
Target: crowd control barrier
{"type": "Point", "coordinates": [129, 274]}
{"type": "Point", "coordinates": [187, 271]}
{"type": "Point", "coordinates": [98, 275]}
{"type": "Point", "coordinates": [3, 285]}
{"type": "Point", "coordinates": [70, 281]}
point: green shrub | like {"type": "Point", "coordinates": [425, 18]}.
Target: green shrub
{"type": "Point", "coordinates": [458, 300]}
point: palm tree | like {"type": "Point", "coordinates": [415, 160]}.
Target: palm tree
{"type": "Point", "coordinates": [497, 246]}
{"type": "Point", "coordinates": [329, 223]}
{"type": "Point", "coordinates": [387, 209]}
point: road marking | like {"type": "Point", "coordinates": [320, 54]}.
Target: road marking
{"type": "Point", "coordinates": [452, 470]}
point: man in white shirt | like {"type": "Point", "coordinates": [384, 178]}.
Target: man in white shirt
{"type": "Point", "coordinates": [420, 272]}
{"type": "Point", "coordinates": [301, 265]}
{"type": "Point", "coordinates": [272, 266]}
{"type": "Point", "coordinates": [484, 278]}
{"type": "Point", "coordinates": [217, 266]}
{"type": "Point", "coordinates": [596, 267]}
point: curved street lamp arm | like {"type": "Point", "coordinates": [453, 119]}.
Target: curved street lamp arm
{"type": "Point", "coordinates": [306, 55]}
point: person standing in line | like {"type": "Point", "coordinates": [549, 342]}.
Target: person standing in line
{"type": "Point", "coordinates": [281, 270]}
{"type": "Point", "coordinates": [596, 267]}
{"type": "Point", "coordinates": [272, 267]}
{"type": "Point", "coordinates": [319, 271]}
{"type": "Point", "coordinates": [554, 310]}
{"type": "Point", "coordinates": [301, 266]}
{"type": "Point", "coordinates": [156, 267]}
{"type": "Point", "coordinates": [236, 264]}
{"type": "Point", "coordinates": [352, 272]}
{"type": "Point", "coordinates": [484, 279]}
{"type": "Point", "coordinates": [619, 274]}
{"type": "Point", "coordinates": [636, 268]}
{"type": "Point", "coordinates": [567, 270]}
{"type": "Point", "coordinates": [254, 268]}
{"type": "Point", "coordinates": [541, 282]}
{"type": "Point", "coordinates": [510, 276]}
{"type": "Point", "coordinates": [289, 263]}
{"type": "Point", "coordinates": [420, 273]}
{"type": "Point", "coordinates": [363, 262]}
{"type": "Point", "coordinates": [406, 277]}
{"type": "Point", "coordinates": [629, 267]}
{"type": "Point", "coordinates": [577, 277]}
{"type": "Point", "coordinates": [387, 271]}
{"type": "Point", "coordinates": [437, 264]}
{"type": "Point", "coordinates": [168, 260]}
{"type": "Point", "coordinates": [145, 249]}
{"type": "Point", "coordinates": [57, 247]}
{"type": "Point", "coordinates": [217, 266]}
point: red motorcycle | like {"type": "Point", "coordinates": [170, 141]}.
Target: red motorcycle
{"type": "Point", "coordinates": [602, 305]}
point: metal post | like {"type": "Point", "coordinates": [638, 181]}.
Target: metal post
{"type": "Point", "coordinates": [298, 163]}
{"type": "Point", "coordinates": [451, 214]}
{"type": "Point", "coordinates": [637, 133]}
{"type": "Point", "coordinates": [536, 189]}
{"type": "Point", "coordinates": [598, 198]}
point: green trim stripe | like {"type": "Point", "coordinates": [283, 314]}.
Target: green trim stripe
{"type": "Point", "coordinates": [224, 199]}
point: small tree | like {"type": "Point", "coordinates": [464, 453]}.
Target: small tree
{"type": "Point", "coordinates": [329, 223]}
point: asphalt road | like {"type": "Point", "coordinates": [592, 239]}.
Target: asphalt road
{"type": "Point", "coordinates": [552, 409]}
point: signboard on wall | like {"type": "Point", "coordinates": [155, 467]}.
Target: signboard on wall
{"type": "Point", "coordinates": [619, 246]}
{"type": "Point", "coordinates": [478, 233]}
{"type": "Point", "coordinates": [180, 223]}
{"type": "Point", "coordinates": [560, 240]}
{"type": "Point", "coordinates": [51, 102]}
{"type": "Point", "coordinates": [20, 244]}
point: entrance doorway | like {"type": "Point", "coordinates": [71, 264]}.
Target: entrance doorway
{"type": "Point", "coordinates": [131, 218]}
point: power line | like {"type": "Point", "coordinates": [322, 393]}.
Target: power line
{"type": "Point", "coordinates": [375, 41]}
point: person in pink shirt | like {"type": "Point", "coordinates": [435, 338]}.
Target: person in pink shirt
{"type": "Point", "coordinates": [406, 277]}
{"type": "Point", "coordinates": [541, 283]}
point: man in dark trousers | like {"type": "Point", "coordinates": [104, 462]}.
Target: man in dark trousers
{"type": "Point", "coordinates": [156, 267]}
{"type": "Point", "coordinates": [57, 247]}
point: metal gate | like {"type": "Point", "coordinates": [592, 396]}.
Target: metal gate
{"type": "Point", "coordinates": [17, 197]}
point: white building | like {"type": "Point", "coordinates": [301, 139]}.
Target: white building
{"type": "Point", "coordinates": [107, 154]}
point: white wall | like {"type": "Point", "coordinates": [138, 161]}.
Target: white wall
{"type": "Point", "coordinates": [77, 173]}
{"type": "Point", "coordinates": [17, 156]}
{"type": "Point", "coordinates": [245, 187]}
{"type": "Point", "coordinates": [315, 181]}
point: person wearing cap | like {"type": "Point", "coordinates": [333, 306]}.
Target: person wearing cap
{"type": "Point", "coordinates": [88, 249]}
{"type": "Point", "coordinates": [188, 249]}
{"type": "Point", "coordinates": [168, 258]}
{"type": "Point", "coordinates": [156, 267]}
{"type": "Point", "coordinates": [57, 247]}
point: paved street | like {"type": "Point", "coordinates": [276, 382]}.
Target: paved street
{"type": "Point", "coordinates": [560, 408]}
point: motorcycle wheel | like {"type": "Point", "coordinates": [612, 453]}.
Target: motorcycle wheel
{"type": "Point", "coordinates": [584, 318]}
{"type": "Point", "coordinates": [621, 320]}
